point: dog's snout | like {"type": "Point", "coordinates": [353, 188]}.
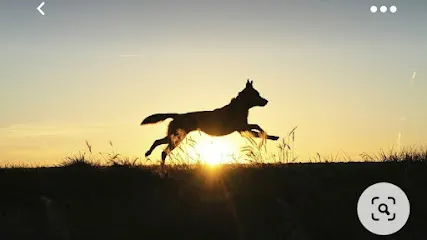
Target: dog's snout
{"type": "Point", "coordinates": [264, 102]}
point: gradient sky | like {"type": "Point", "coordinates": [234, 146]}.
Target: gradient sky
{"type": "Point", "coordinates": [92, 70]}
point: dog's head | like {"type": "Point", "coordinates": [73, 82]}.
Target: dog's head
{"type": "Point", "coordinates": [251, 96]}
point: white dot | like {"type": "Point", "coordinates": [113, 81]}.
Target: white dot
{"type": "Point", "coordinates": [383, 9]}
{"type": "Point", "coordinates": [374, 9]}
{"type": "Point", "coordinates": [393, 9]}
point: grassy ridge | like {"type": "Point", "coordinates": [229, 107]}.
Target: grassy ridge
{"type": "Point", "coordinates": [263, 201]}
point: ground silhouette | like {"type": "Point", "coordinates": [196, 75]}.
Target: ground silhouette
{"type": "Point", "coordinates": [263, 201]}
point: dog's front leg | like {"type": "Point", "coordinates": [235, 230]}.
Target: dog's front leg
{"type": "Point", "coordinates": [257, 127]}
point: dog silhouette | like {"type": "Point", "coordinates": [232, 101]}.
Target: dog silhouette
{"type": "Point", "coordinates": [219, 122]}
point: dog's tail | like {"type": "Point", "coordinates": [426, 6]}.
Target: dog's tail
{"type": "Point", "coordinates": [155, 118]}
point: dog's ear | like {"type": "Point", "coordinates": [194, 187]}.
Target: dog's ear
{"type": "Point", "coordinates": [249, 83]}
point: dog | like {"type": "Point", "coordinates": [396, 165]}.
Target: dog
{"type": "Point", "coordinates": [219, 122]}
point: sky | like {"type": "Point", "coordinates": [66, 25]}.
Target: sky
{"type": "Point", "coordinates": [353, 81]}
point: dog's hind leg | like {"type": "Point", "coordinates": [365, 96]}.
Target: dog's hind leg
{"type": "Point", "coordinates": [173, 142]}
{"type": "Point", "coordinates": [156, 143]}
{"type": "Point", "coordinates": [166, 152]}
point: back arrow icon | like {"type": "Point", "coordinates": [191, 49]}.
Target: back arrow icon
{"type": "Point", "coordinates": [39, 8]}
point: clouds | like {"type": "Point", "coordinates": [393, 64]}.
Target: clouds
{"type": "Point", "coordinates": [398, 141]}
{"type": "Point", "coordinates": [414, 74]}
{"type": "Point", "coordinates": [130, 55]}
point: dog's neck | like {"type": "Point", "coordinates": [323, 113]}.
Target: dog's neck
{"type": "Point", "coordinates": [238, 105]}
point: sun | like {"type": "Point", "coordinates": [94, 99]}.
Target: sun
{"type": "Point", "coordinates": [215, 150]}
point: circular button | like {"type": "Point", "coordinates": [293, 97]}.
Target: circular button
{"type": "Point", "coordinates": [383, 208]}
{"type": "Point", "coordinates": [383, 9]}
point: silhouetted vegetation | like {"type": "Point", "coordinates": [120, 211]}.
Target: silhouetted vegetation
{"type": "Point", "coordinates": [109, 196]}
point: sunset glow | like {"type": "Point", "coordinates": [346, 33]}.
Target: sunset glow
{"type": "Point", "coordinates": [215, 150]}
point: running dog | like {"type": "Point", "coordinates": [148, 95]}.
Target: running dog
{"type": "Point", "coordinates": [219, 122]}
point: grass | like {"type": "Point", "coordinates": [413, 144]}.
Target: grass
{"type": "Point", "coordinates": [253, 152]}
{"type": "Point", "coordinates": [416, 153]}
{"type": "Point", "coordinates": [110, 196]}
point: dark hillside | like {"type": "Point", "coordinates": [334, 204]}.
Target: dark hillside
{"type": "Point", "coordinates": [294, 201]}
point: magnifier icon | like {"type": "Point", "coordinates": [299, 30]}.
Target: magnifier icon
{"type": "Point", "coordinates": [383, 208]}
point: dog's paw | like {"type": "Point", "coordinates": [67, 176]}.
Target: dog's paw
{"type": "Point", "coordinates": [274, 138]}
{"type": "Point", "coordinates": [147, 153]}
